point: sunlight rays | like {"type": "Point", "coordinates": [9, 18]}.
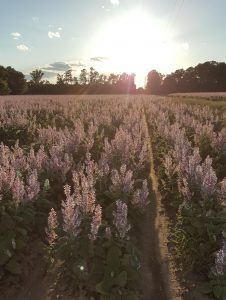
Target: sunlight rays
{"type": "Point", "coordinates": [133, 42]}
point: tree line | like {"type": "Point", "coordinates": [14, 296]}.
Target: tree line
{"type": "Point", "coordinates": [88, 82]}
{"type": "Point", "coordinates": [206, 77]}
{"type": "Point", "coordinates": [12, 81]}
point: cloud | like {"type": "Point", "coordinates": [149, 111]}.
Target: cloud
{"type": "Point", "coordinates": [50, 74]}
{"type": "Point", "coordinates": [115, 2]}
{"type": "Point", "coordinates": [15, 35]}
{"type": "Point", "coordinates": [57, 66]}
{"type": "Point", "coordinates": [35, 19]}
{"type": "Point", "coordinates": [52, 34]}
{"type": "Point", "coordinates": [99, 59]}
{"type": "Point", "coordinates": [78, 64]}
{"type": "Point", "coordinates": [22, 47]}
{"type": "Point", "coordinates": [47, 75]}
{"type": "Point", "coordinates": [63, 66]}
{"type": "Point", "coordinates": [60, 28]}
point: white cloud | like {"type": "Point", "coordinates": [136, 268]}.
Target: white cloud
{"type": "Point", "coordinates": [60, 28]}
{"type": "Point", "coordinates": [115, 2]}
{"type": "Point", "coordinates": [15, 35]}
{"type": "Point", "coordinates": [185, 46]}
{"type": "Point", "coordinates": [35, 19]}
{"type": "Point", "coordinates": [22, 47]}
{"type": "Point", "coordinates": [52, 34]}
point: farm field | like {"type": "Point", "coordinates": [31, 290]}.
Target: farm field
{"type": "Point", "coordinates": [206, 95]}
{"type": "Point", "coordinates": [112, 197]}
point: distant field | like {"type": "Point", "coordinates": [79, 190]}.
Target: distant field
{"type": "Point", "coordinates": [217, 100]}
{"type": "Point", "coordinates": [217, 95]}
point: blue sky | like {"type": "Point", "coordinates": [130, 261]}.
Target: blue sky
{"type": "Point", "coordinates": [111, 35]}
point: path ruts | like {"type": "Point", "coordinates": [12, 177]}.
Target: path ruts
{"type": "Point", "coordinates": [158, 266]}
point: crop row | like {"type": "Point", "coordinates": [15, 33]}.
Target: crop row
{"type": "Point", "coordinates": [190, 160]}
{"type": "Point", "coordinates": [74, 174]}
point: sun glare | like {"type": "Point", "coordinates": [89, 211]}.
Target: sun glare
{"type": "Point", "coordinates": [133, 42]}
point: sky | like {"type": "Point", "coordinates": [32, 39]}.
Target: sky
{"type": "Point", "coordinates": [133, 36]}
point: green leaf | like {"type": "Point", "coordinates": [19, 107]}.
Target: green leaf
{"type": "Point", "coordinates": [75, 268]}
{"type": "Point", "coordinates": [1, 274]}
{"type": "Point", "coordinates": [113, 259]}
{"type": "Point", "coordinates": [45, 204]}
{"type": "Point", "coordinates": [100, 288]}
{"type": "Point", "coordinates": [224, 293]}
{"type": "Point", "coordinates": [7, 222]}
{"type": "Point", "coordinates": [3, 258]}
{"type": "Point", "coordinates": [20, 244]}
{"type": "Point", "coordinates": [13, 267]}
{"type": "Point", "coordinates": [217, 291]}
{"type": "Point", "coordinates": [97, 268]}
{"type": "Point", "coordinates": [132, 274]}
{"type": "Point", "coordinates": [22, 231]}
{"type": "Point", "coordinates": [206, 288]}
{"type": "Point", "coordinates": [105, 286]}
{"type": "Point", "coordinates": [18, 219]}
{"type": "Point", "coordinates": [121, 279]}
{"type": "Point", "coordinates": [126, 260]}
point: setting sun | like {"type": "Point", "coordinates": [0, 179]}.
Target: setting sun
{"type": "Point", "coordinates": [132, 42]}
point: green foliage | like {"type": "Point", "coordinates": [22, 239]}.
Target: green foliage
{"type": "Point", "coordinates": [198, 223]}
{"type": "Point", "coordinates": [14, 227]}
{"type": "Point", "coordinates": [18, 224]}
{"type": "Point", "coordinates": [13, 267]}
{"type": "Point", "coordinates": [197, 234]}
{"type": "Point", "coordinates": [16, 81]}
{"type": "Point", "coordinates": [103, 267]}
{"type": "Point", "coordinates": [36, 77]}
{"type": "Point", "coordinates": [204, 146]}
{"type": "Point", "coordinates": [4, 88]}
{"type": "Point", "coordinates": [154, 81]}
{"type": "Point", "coordinates": [215, 287]}
{"type": "Point", "coordinates": [205, 77]}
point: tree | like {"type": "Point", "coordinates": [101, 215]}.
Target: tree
{"type": "Point", "coordinates": [3, 73]}
{"type": "Point", "coordinates": [93, 76]}
{"type": "Point", "coordinates": [83, 77]}
{"type": "Point", "coordinates": [60, 79]}
{"type": "Point", "coordinates": [36, 77]}
{"type": "Point", "coordinates": [169, 84]}
{"type": "Point", "coordinates": [46, 82]}
{"type": "Point", "coordinates": [154, 81]}
{"type": "Point", "coordinates": [140, 90]}
{"type": "Point", "coordinates": [4, 89]}
{"type": "Point", "coordinates": [189, 81]}
{"type": "Point", "coordinates": [75, 80]}
{"type": "Point", "coordinates": [16, 81]}
{"type": "Point", "coordinates": [67, 77]}
{"type": "Point", "coordinates": [112, 79]}
{"type": "Point", "coordinates": [103, 78]}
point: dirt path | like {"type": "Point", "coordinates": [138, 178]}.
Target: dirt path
{"type": "Point", "coordinates": [161, 264]}
{"type": "Point", "coordinates": [152, 284]}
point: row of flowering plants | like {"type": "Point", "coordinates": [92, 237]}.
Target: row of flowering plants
{"type": "Point", "coordinates": [189, 149]}
{"type": "Point", "coordinates": [94, 234]}
{"type": "Point", "coordinates": [75, 176]}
